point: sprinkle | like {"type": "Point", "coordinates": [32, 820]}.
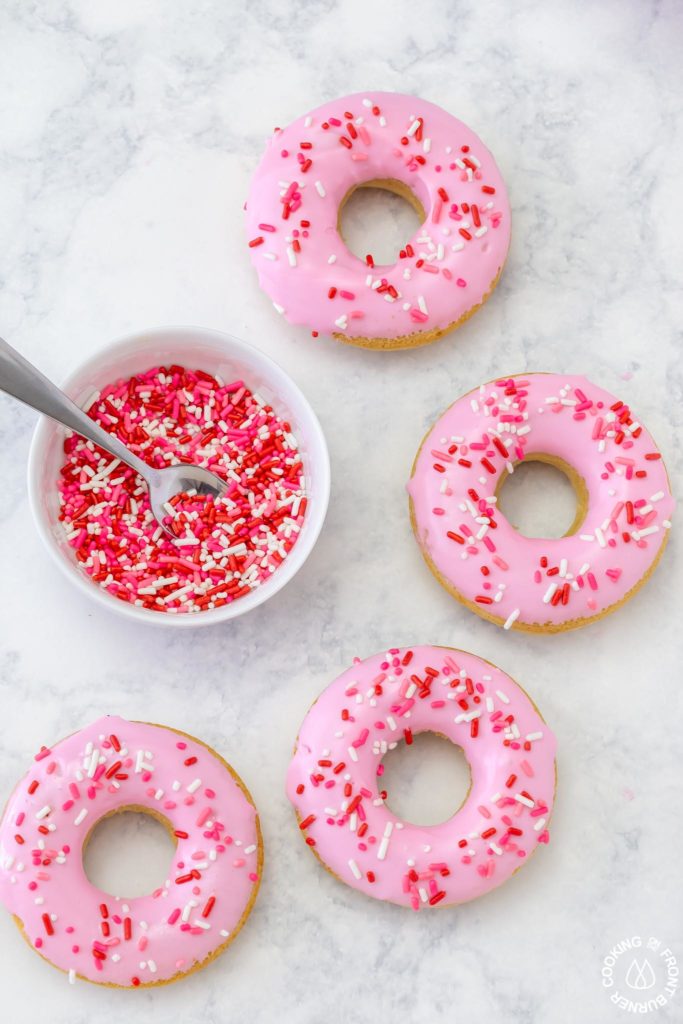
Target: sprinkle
{"type": "Point", "coordinates": [512, 617]}
{"type": "Point", "coordinates": [384, 845]}
{"type": "Point", "coordinates": [355, 870]}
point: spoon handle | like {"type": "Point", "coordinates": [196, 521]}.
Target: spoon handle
{"type": "Point", "coordinates": [22, 380]}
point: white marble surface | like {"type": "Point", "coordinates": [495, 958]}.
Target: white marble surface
{"type": "Point", "coordinates": [128, 131]}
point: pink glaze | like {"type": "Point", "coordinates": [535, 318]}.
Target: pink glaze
{"type": "Point", "coordinates": [447, 267]}
{"type": "Point", "coordinates": [334, 779]}
{"type": "Point", "coordinates": [84, 777]}
{"type": "Point", "coordinates": [524, 581]}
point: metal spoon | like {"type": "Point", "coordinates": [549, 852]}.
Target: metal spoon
{"type": "Point", "coordinates": [23, 381]}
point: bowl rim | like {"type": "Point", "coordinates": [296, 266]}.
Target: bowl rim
{"type": "Point", "coordinates": [289, 568]}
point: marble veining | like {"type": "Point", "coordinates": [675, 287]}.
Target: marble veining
{"type": "Point", "coordinates": [128, 133]}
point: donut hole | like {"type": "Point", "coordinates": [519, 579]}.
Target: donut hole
{"type": "Point", "coordinates": [129, 853]}
{"type": "Point", "coordinates": [378, 217]}
{"type": "Point", "coordinates": [544, 497]}
{"type": "Point", "coordinates": [426, 781]}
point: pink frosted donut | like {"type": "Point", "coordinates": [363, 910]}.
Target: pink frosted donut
{"type": "Point", "coordinates": [408, 146]}
{"type": "Point", "coordinates": [334, 779]}
{"type": "Point", "coordinates": [532, 583]}
{"type": "Point", "coordinates": [114, 765]}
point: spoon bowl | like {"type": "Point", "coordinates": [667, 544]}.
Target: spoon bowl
{"type": "Point", "coordinates": [215, 353]}
{"type": "Point", "coordinates": [164, 484]}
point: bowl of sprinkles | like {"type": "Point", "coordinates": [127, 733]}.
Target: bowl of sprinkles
{"type": "Point", "coordinates": [173, 395]}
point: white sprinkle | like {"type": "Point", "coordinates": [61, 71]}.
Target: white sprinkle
{"type": "Point", "coordinates": [502, 696]}
{"type": "Point", "coordinates": [320, 189]}
{"type": "Point", "coordinates": [43, 812]}
{"type": "Point", "coordinates": [94, 758]}
{"type": "Point", "coordinates": [512, 617]}
{"type": "Point", "coordinates": [539, 824]}
{"type": "Point", "coordinates": [534, 736]}
{"type": "Point", "coordinates": [600, 537]}
{"type": "Point", "coordinates": [194, 786]}
{"type": "Point", "coordinates": [81, 816]}
{"type": "Point", "coordinates": [278, 308]}
{"type": "Point", "coordinates": [352, 753]}
{"type": "Point", "coordinates": [549, 593]}
{"type": "Point", "coordinates": [413, 128]}
{"type": "Point", "coordinates": [72, 977]}
{"type": "Point", "coordinates": [187, 910]}
{"type": "Point", "coordinates": [384, 845]}
{"type": "Point", "coordinates": [523, 800]}
{"type": "Point", "coordinates": [249, 849]}
{"type": "Point", "coordinates": [355, 870]}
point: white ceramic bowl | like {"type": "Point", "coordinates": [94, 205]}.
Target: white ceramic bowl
{"type": "Point", "coordinates": [213, 352]}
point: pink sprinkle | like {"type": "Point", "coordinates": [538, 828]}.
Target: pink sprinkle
{"type": "Point", "coordinates": [203, 817]}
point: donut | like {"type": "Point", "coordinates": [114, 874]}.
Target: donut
{"type": "Point", "coordinates": [624, 502]}
{"type": "Point", "coordinates": [404, 145]}
{"type": "Point", "coordinates": [335, 777]}
{"type": "Point", "coordinates": [114, 765]}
